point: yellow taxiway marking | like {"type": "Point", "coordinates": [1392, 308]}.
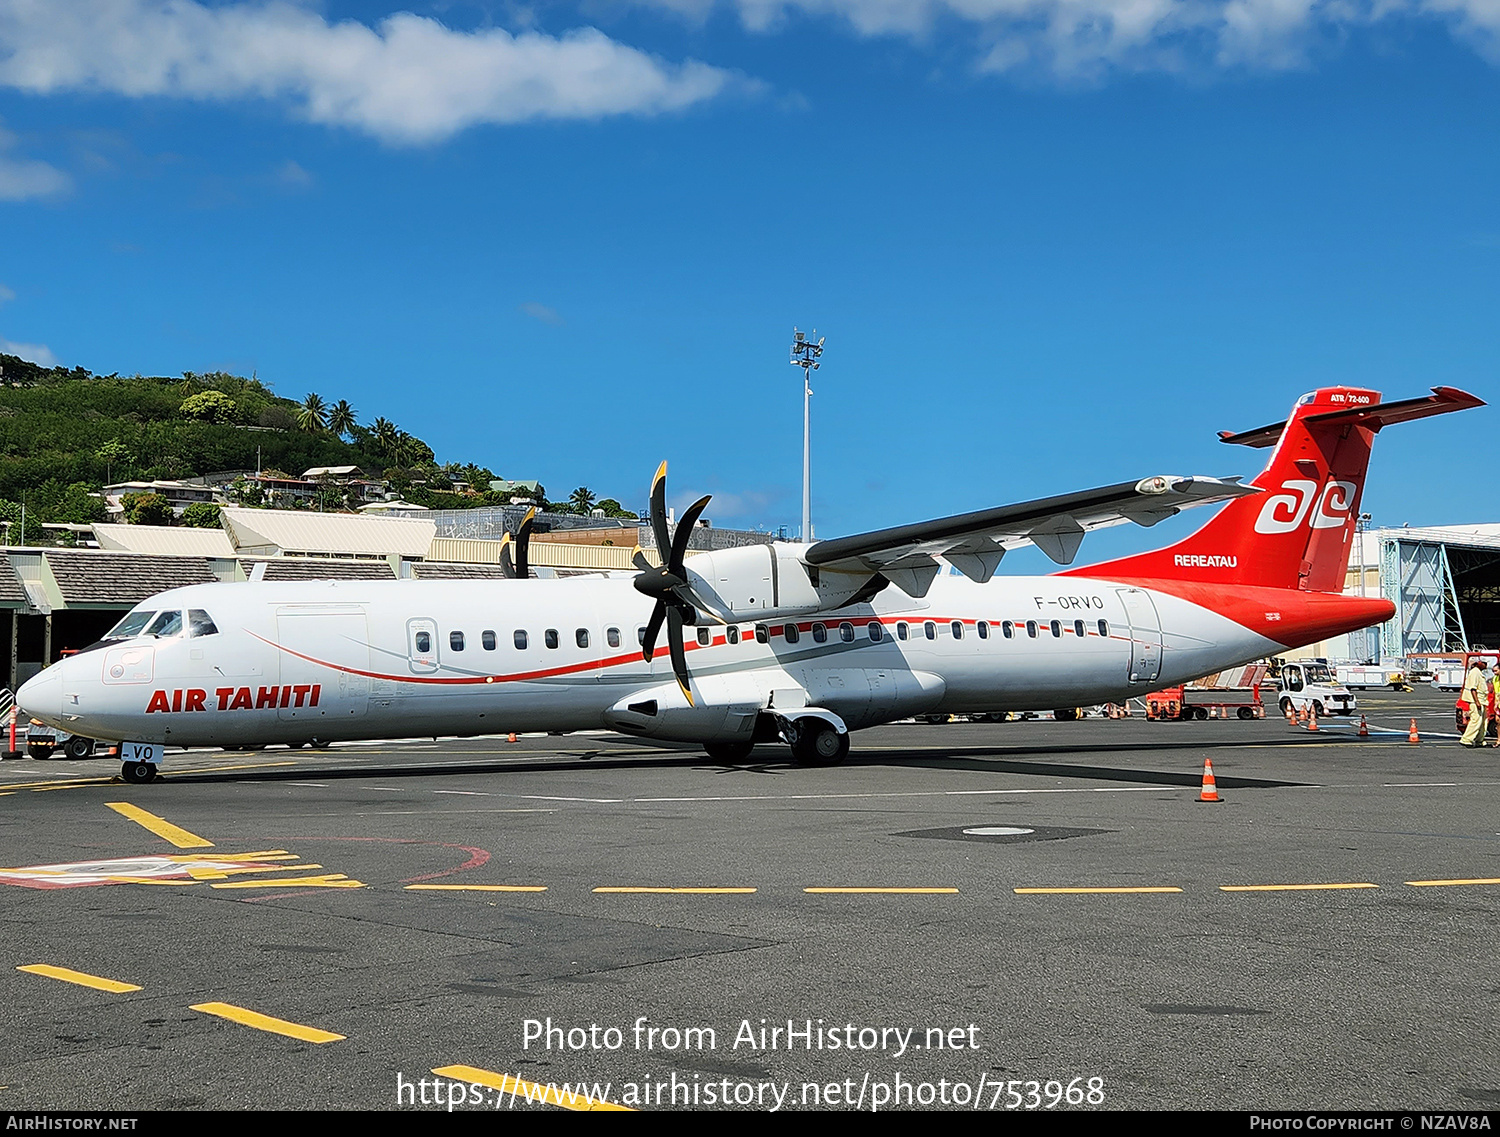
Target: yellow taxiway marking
{"type": "Point", "coordinates": [1438, 883]}
{"type": "Point", "coordinates": [267, 1023]}
{"type": "Point", "coordinates": [476, 888]}
{"type": "Point", "coordinates": [225, 873]}
{"type": "Point", "coordinates": [1111, 890]}
{"type": "Point", "coordinates": [529, 1092]}
{"type": "Point", "coordinates": [160, 826]}
{"type": "Point", "coordinates": [1292, 887]}
{"type": "Point", "coordinates": [82, 978]}
{"type": "Point", "coordinates": [689, 890]}
{"type": "Point", "coordinates": [898, 891]}
{"type": "Point", "coordinates": [331, 880]}
{"type": "Point", "coordinates": [220, 769]}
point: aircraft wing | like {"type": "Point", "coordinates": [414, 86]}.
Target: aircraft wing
{"type": "Point", "coordinates": [974, 542]}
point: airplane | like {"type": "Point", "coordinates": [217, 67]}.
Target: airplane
{"type": "Point", "coordinates": [788, 641]}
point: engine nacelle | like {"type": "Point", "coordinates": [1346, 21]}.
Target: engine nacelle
{"type": "Point", "coordinates": [763, 582]}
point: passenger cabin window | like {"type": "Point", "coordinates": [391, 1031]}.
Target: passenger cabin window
{"type": "Point", "coordinates": [1057, 627]}
{"type": "Point", "coordinates": [983, 629]}
{"type": "Point", "coordinates": [820, 633]}
{"type": "Point", "coordinates": [1031, 628]}
{"type": "Point", "coordinates": [876, 632]}
{"type": "Point", "coordinates": [456, 641]}
{"type": "Point", "coordinates": [1007, 629]}
{"type": "Point", "coordinates": [791, 633]}
{"type": "Point", "coordinates": [703, 637]}
{"type": "Point", "coordinates": [200, 623]}
{"type": "Point", "coordinates": [1104, 627]}
{"type": "Point", "coordinates": [846, 632]}
{"type": "Point", "coordinates": [488, 640]}
{"type": "Point", "coordinates": [423, 640]}
{"type": "Point", "coordinates": [929, 629]}
{"type": "Point", "coordinates": [958, 629]}
{"type": "Point", "coordinates": [550, 637]}
{"type": "Point", "coordinates": [732, 634]}
{"type": "Point", "coordinates": [165, 626]}
{"type": "Point", "coordinates": [1078, 629]}
{"type": "Point", "coordinates": [132, 625]}
{"type": "Point", "coordinates": [581, 637]}
{"type": "Point", "coordinates": [612, 636]}
{"type": "Point", "coordinates": [762, 634]}
{"type": "Point", "coordinates": [901, 630]}
{"type": "Point", "coordinates": [640, 635]}
{"type": "Point", "coordinates": [520, 639]}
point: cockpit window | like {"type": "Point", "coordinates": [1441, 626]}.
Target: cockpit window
{"type": "Point", "coordinates": [132, 625]}
{"type": "Point", "coordinates": [166, 625]}
{"type": "Point", "coordinates": [200, 623]}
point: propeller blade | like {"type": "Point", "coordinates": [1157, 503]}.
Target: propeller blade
{"type": "Point", "coordinates": [679, 653]}
{"type": "Point", "coordinates": [638, 558]}
{"type": "Point", "coordinates": [653, 626]}
{"type": "Point", "coordinates": [685, 532]}
{"type": "Point", "coordinates": [659, 513]}
{"type": "Point", "coordinates": [507, 565]}
{"type": "Point", "coordinates": [523, 544]}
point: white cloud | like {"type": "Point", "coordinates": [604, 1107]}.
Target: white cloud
{"type": "Point", "coordinates": [543, 313]}
{"type": "Point", "coordinates": [22, 178]}
{"type": "Point", "coordinates": [407, 80]}
{"type": "Point", "coordinates": [38, 353]}
{"type": "Point", "coordinates": [1080, 37]}
{"type": "Point", "coordinates": [6, 294]}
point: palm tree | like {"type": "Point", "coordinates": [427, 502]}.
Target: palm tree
{"type": "Point", "coordinates": [341, 418]}
{"type": "Point", "coordinates": [582, 499]}
{"type": "Point", "coordinates": [385, 435]}
{"type": "Point", "coordinates": [314, 414]}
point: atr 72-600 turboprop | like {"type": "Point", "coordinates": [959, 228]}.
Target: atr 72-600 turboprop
{"type": "Point", "coordinates": [797, 642]}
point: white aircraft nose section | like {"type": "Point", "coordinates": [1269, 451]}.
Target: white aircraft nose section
{"type": "Point", "coordinates": [42, 695]}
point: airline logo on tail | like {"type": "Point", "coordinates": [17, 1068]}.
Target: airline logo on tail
{"type": "Point", "coordinates": [1285, 512]}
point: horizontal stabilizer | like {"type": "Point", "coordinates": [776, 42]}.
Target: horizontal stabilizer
{"type": "Point", "coordinates": [1440, 402]}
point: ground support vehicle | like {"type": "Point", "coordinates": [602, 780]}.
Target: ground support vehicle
{"type": "Point", "coordinates": [1307, 686]}
{"type": "Point", "coordinates": [1362, 676]}
{"type": "Point", "coordinates": [43, 741]}
{"type": "Point", "coordinates": [1225, 694]}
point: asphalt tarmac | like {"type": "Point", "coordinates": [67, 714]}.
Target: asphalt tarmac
{"type": "Point", "coordinates": [1023, 915]}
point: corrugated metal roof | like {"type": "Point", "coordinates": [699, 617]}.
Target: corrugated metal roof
{"type": "Point", "coordinates": [10, 588]}
{"type": "Point", "coordinates": [320, 568]}
{"type": "Point", "coordinates": [121, 578]}
{"type": "Point", "coordinates": [300, 531]}
{"type": "Point", "coordinates": [164, 540]}
{"type": "Point", "coordinates": [447, 570]}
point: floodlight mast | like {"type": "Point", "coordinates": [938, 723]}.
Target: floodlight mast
{"type": "Point", "coordinates": [805, 355]}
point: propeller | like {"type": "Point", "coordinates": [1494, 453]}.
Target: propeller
{"type": "Point", "coordinates": [520, 567]}
{"type": "Point", "coordinates": [667, 583]}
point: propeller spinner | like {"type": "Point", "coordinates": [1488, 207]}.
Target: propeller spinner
{"type": "Point", "coordinates": [667, 583]}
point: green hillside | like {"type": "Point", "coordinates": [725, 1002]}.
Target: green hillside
{"type": "Point", "coordinates": [66, 433]}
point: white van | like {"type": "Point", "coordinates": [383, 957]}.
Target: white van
{"type": "Point", "coordinates": [1307, 686]}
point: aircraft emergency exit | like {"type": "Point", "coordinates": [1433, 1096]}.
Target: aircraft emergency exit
{"type": "Point", "coordinates": [800, 643]}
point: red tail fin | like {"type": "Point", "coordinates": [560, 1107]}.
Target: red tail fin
{"type": "Point", "coordinates": [1298, 532]}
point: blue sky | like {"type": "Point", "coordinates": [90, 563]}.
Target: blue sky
{"type": "Point", "coordinates": [1052, 244]}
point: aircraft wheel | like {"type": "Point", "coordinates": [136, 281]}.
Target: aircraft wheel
{"type": "Point", "coordinates": [728, 751]}
{"type": "Point", "coordinates": [138, 773]}
{"type": "Point", "coordinates": [820, 745]}
{"type": "Point", "coordinates": [317, 744]}
{"type": "Point", "coordinates": [79, 748]}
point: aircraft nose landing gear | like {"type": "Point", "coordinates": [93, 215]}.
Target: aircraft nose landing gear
{"type": "Point", "coordinates": [138, 773]}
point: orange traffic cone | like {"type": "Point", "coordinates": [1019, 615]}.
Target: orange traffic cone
{"type": "Point", "coordinates": [1312, 718]}
{"type": "Point", "coordinates": [1291, 715]}
{"type": "Point", "coordinates": [1210, 787]}
{"type": "Point", "coordinates": [1364, 727]}
{"type": "Point", "coordinates": [511, 737]}
{"type": "Point", "coordinates": [1411, 735]}
{"type": "Point", "coordinates": [1302, 715]}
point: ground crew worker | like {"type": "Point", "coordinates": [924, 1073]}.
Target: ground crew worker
{"type": "Point", "coordinates": [1477, 694]}
{"type": "Point", "coordinates": [1494, 700]}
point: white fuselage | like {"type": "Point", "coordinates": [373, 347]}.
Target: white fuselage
{"type": "Point", "coordinates": [338, 660]}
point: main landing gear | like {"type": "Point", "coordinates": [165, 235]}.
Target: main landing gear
{"type": "Point", "coordinates": [818, 743]}
{"type": "Point", "coordinates": [138, 773]}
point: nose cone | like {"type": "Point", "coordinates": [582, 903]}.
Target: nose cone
{"type": "Point", "coordinates": [42, 695]}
